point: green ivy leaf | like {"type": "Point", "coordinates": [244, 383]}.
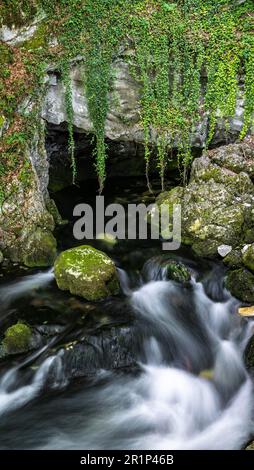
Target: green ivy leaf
{"type": "Point", "coordinates": [169, 6]}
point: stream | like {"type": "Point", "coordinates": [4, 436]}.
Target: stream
{"type": "Point", "coordinates": [189, 388]}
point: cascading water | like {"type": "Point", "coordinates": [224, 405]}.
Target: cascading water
{"type": "Point", "coordinates": [24, 286]}
{"type": "Point", "coordinates": [12, 397]}
{"type": "Point", "coordinates": [192, 392]}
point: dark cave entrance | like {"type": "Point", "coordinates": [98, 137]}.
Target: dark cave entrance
{"type": "Point", "coordinates": [125, 167]}
{"type": "Point", "coordinates": [125, 159]}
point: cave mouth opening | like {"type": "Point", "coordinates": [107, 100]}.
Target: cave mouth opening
{"type": "Point", "coordinates": [125, 168]}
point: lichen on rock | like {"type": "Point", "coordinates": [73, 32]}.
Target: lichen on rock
{"type": "Point", "coordinates": [86, 272]}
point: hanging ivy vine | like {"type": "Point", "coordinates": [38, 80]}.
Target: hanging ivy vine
{"type": "Point", "coordinates": [189, 57]}
{"type": "Point", "coordinates": [65, 71]}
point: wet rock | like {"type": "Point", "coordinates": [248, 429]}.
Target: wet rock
{"type": "Point", "coordinates": [86, 272]}
{"type": "Point", "coordinates": [162, 267]}
{"type": "Point", "coordinates": [240, 283]}
{"type": "Point", "coordinates": [249, 353]}
{"type": "Point", "coordinates": [114, 348]}
{"type": "Point", "coordinates": [248, 257]}
{"type": "Point", "coordinates": [177, 271]}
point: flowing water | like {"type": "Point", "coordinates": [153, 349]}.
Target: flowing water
{"type": "Point", "coordinates": [191, 390]}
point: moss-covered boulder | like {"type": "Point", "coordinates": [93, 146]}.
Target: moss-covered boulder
{"type": "Point", "coordinates": [240, 283]}
{"type": "Point", "coordinates": [217, 203]}
{"type": "Point", "coordinates": [86, 272]}
{"type": "Point", "coordinates": [248, 257]}
{"type": "Point", "coordinates": [17, 338]}
{"type": "Point", "coordinates": [176, 271]}
{"type": "Point", "coordinates": [40, 249]}
{"type": "Point", "coordinates": [163, 267]}
{"type": "Point", "coordinates": [234, 259]}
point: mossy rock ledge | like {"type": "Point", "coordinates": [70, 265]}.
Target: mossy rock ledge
{"type": "Point", "coordinates": [217, 203]}
{"type": "Point", "coordinates": [86, 272]}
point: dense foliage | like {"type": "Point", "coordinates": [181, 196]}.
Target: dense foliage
{"type": "Point", "coordinates": [181, 47]}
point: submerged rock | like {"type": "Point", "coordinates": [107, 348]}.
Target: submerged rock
{"type": "Point", "coordinates": [177, 271]}
{"type": "Point", "coordinates": [86, 272]}
{"type": "Point", "coordinates": [162, 267]}
{"type": "Point", "coordinates": [113, 348]}
{"type": "Point", "coordinates": [240, 283]}
{"type": "Point", "coordinates": [17, 338]}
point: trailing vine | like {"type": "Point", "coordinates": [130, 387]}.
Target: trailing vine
{"type": "Point", "coordinates": [65, 71]}
{"type": "Point", "coordinates": [101, 42]}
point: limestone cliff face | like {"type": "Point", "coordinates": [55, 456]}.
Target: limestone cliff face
{"type": "Point", "coordinates": [123, 120]}
{"type": "Point", "coordinates": [26, 222]}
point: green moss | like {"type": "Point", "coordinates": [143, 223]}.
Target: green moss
{"type": "Point", "coordinates": [17, 338]}
{"type": "Point", "coordinates": [17, 12]}
{"type": "Point", "coordinates": [205, 248]}
{"type": "Point", "coordinates": [248, 234]}
{"type": "Point", "coordinates": [52, 209]}
{"type": "Point", "coordinates": [86, 272]}
{"type": "Point", "coordinates": [40, 249]}
{"type": "Point", "coordinates": [248, 258]}
{"type": "Point", "coordinates": [174, 42]}
{"type": "Point", "coordinates": [177, 271]}
{"type": "Point", "coordinates": [233, 260]}
{"type": "Point", "coordinates": [39, 40]}
{"type": "Point", "coordinates": [240, 283]}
